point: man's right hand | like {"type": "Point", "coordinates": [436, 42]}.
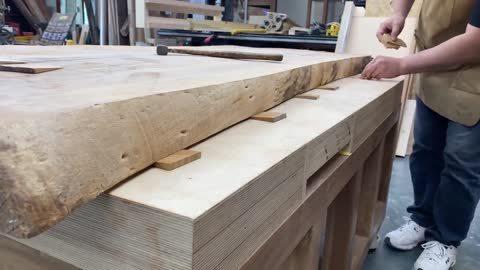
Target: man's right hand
{"type": "Point", "coordinates": [393, 26]}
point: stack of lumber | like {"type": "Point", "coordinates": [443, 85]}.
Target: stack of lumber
{"type": "Point", "coordinates": [35, 12]}
{"type": "Point", "coordinates": [135, 108]}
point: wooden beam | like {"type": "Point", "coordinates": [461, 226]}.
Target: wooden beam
{"type": "Point", "coordinates": [184, 7]}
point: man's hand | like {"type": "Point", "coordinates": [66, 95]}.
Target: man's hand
{"type": "Point", "coordinates": [383, 68]}
{"type": "Point", "coordinates": [393, 26]}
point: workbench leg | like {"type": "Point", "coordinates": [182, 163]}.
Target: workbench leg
{"type": "Point", "coordinates": [372, 175]}
{"type": "Point", "coordinates": [306, 255]}
{"type": "Point", "coordinates": [341, 225]}
{"type": "Point", "coordinates": [389, 157]}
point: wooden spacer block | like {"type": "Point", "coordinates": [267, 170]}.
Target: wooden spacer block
{"type": "Point", "coordinates": [331, 88]}
{"type": "Point", "coordinates": [9, 62]}
{"type": "Point", "coordinates": [181, 158]}
{"type": "Point", "coordinates": [27, 68]}
{"type": "Point", "coordinates": [309, 96]}
{"type": "Point", "coordinates": [271, 117]}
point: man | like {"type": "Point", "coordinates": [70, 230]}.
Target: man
{"type": "Point", "coordinates": [445, 163]}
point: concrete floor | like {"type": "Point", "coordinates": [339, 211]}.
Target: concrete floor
{"type": "Point", "coordinates": [400, 197]}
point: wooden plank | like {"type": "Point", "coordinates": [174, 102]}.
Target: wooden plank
{"type": "Point", "coordinates": [370, 190]}
{"type": "Point", "coordinates": [214, 213]}
{"type": "Point", "coordinates": [345, 28]}
{"type": "Point", "coordinates": [199, 25]}
{"type": "Point", "coordinates": [178, 159]}
{"type": "Point", "coordinates": [406, 129]}
{"type": "Point", "coordinates": [84, 34]}
{"type": "Point", "coordinates": [128, 89]}
{"type": "Point", "coordinates": [341, 226]}
{"type": "Point", "coordinates": [308, 96]}
{"type": "Point", "coordinates": [184, 7]}
{"type": "Point", "coordinates": [361, 27]}
{"type": "Point", "coordinates": [28, 68]}
{"type": "Point", "coordinates": [271, 117]}
{"type": "Point", "coordinates": [330, 88]}
{"type": "Point", "coordinates": [11, 61]}
{"type": "Point", "coordinates": [16, 256]}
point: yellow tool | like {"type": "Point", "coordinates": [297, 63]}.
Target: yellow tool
{"type": "Point", "coordinates": [238, 31]}
{"type": "Point", "coordinates": [332, 29]}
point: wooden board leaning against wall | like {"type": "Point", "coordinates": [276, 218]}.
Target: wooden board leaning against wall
{"type": "Point", "coordinates": [122, 99]}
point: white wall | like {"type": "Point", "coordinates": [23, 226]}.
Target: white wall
{"type": "Point", "coordinates": [295, 9]}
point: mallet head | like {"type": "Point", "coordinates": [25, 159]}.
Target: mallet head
{"type": "Point", "coordinates": [162, 50]}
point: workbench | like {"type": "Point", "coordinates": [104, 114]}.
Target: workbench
{"type": "Point", "coordinates": [308, 190]}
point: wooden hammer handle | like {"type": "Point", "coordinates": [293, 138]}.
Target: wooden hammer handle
{"type": "Point", "coordinates": [230, 55]}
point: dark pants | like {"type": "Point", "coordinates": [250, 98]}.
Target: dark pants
{"type": "Point", "coordinates": [445, 168]}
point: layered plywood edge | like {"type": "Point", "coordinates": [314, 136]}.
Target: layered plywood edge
{"type": "Point", "coordinates": [111, 112]}
{"type": "Point", "coordinates": [216, 212]}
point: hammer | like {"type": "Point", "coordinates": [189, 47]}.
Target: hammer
{"type": "Point", "coordinates": [164, 50]}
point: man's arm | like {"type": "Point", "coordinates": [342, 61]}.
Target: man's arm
{"type": "Point", "coordinates": [453, 53]}
{"type": "Point", "coordinates": [460, 50]}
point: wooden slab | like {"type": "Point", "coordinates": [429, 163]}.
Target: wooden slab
{"type": "Point", "coordinates": [114, 111]}
{"type": "Point", "coordinates": [28, 68]}
{"type": "Point", "coordinates": [271, 117]}
{"type": "Point", "coordinates": [178, 159]}
{"type": "Point", "coordinates": [214, 213]}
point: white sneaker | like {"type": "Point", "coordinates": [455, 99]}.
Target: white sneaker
{"type": "Point", "coordinates": [436, 256]}
{"type": "Point", "coordinates": [406, 237]}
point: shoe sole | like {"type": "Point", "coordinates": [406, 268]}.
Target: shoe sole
{"type": "Point", "coordinates": [388, 242]}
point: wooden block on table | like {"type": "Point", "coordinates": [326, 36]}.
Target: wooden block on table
{"type": "Point", "coordinates": [10, 62]}
{"type": "Point", "coordinates": [308, 96]}
{"type": "Point", "coordinates": [330, 88]}
{"type": "Point", "coordinates": [178, 159]}
{"type": "Point", "coordinates": [28, 68]}
{"type": "Point", "coordinates": [271, 117]}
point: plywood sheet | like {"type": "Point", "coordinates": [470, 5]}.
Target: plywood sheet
{"type": "Point", "coordinates": [362, 37]}
{"type": "Point", "coordinates": [110, 112]}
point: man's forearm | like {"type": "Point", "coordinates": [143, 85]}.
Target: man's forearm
{"type": "Point", "coordinates": [460, 50]}
{"type": "Point", "coordinates": [402, 7]}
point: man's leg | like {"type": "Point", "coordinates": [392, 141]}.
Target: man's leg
{"type": "Point", "coordinates": [459, 190]}
{"type": "Point", "coordinates": [426, 162]}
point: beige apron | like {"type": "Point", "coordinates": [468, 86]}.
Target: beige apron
{"type": "Point", "coordinates": [454, 94]}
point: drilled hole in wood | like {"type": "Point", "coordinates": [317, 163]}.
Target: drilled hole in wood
{"type": "Point", "coordinates": [124, 155]}
{"type": "Point", "coordinates": [184, 132]}
{"type": "Point", "coordinates": [250, 97]}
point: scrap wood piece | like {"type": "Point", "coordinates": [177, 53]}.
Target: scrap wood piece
{"type": "Point", "coordinates": [180, 158]}
{"type": "Point", "coordinates": [28, 68]}
{"type": "Point", "coordinates": [10, 62]}
{"type": "Point", "coordinates": [326, 87]}
{"type": "Point", "coordinates": [271, 117]}
{"type": "Point", "coordinates": [390, 43]}
{"type": "Point", "coordinates": [308, 96]}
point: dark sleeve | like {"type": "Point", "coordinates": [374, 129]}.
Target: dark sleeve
{"type": "Point", "coordinates": [475, 16]}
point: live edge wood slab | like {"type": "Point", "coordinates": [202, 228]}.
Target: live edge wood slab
{"type": "Point", "coordinates": [110, 112]}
